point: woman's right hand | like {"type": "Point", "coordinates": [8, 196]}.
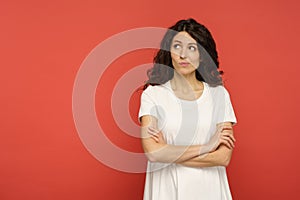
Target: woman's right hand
{"type": "Point", "coordinates": [156, 135]}
{"type": "Point", "coordinates": [223, 135]}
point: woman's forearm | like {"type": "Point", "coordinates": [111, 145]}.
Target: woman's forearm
{"type": "Point", "coordinates": [160, 151]}
{"type": "Point", "coordinates": [187, 155]}
{"type": "Point", "coordinates": [220, 157]}
{"type": "Point", "coordinates": [171, 153]}
{"type": "Point", "coordinates": [157, 150]}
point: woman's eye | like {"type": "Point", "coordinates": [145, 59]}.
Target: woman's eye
{"type": "Point", "coordinates": [176, 46]}
{"type": "Point", "coordinates": [192, 48]}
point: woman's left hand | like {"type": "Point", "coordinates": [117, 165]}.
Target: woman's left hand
{"type": "Point", "coordinates": [156, 135]}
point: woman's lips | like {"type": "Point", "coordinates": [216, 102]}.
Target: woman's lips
{"type": "Point", "coordinates": [184, 64]}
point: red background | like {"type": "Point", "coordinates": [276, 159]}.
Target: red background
{"type": "Point", "coordinates": [43, 44]}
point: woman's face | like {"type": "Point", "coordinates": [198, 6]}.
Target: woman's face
{"type": "Point", "coordinates": [184, 53]}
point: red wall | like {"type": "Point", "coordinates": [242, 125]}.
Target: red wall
{"type": "Point", "coordinates": [43, 45]}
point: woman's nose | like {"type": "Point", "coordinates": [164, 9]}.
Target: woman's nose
{"type": "Point", "coordinates": [183, 53]}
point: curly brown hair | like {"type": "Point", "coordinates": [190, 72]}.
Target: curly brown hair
{"type": "Point", "coordinates": [208, 69]}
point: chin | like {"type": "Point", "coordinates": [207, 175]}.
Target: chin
{"type": "Point", "coordinates": [185, 72]}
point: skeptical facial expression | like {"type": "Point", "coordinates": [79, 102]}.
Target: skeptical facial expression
{"type": "Point", "coordinates": [184, 53]}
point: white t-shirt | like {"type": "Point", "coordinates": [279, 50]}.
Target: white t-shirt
{"type": "Point", "coordinates": [184, 122]}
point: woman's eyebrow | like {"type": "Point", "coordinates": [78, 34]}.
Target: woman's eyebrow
{"type": "Point", "coordinates": [188, 43]}
{"type": "Point", "coordinates": [177, 41]}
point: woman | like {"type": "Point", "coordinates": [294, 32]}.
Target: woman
{"type": "Point", "coordinates": [186, 119]}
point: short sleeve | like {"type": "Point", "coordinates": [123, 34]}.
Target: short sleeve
{"type": "Point", "coordinates": [148, 106]}
{"type": "Point", "coordinates": [226, 112]}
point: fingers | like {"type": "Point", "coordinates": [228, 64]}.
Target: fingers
{"type": "Point", "coordinates": [228, 131]}
{"type": "Point", "coordinates": [228, 134]}
{"type": "Point", "coordinates": [155, 138]}
{"type": "Point", "coordinates": [228, 139]}
{"type": "Point", "coordinates": [224, 127]}
{"type": "Point", "coordinates": [223, 135]}
{"type": "Point", "coordinates": [155, 134]}
{"type": "Point", "coordinates": [227, 128]}
{"type": "Point", "coordinates": [226, 143]}
{"type": "Point", "coordinates": [152, 131]}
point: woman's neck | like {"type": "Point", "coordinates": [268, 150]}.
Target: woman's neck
{"type": "Point", "coordinates": [185, 83]}
{"type": "Point", "coordinates": [186, 87]}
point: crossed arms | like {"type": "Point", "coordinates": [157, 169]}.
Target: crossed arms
{"type": "Point", "coordinates": [217, 152]}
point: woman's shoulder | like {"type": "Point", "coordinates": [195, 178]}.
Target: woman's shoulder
{"type": "Point", "coordinates": [156, 89]}
{"type": "Point", "coordinates": [219, 89]}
